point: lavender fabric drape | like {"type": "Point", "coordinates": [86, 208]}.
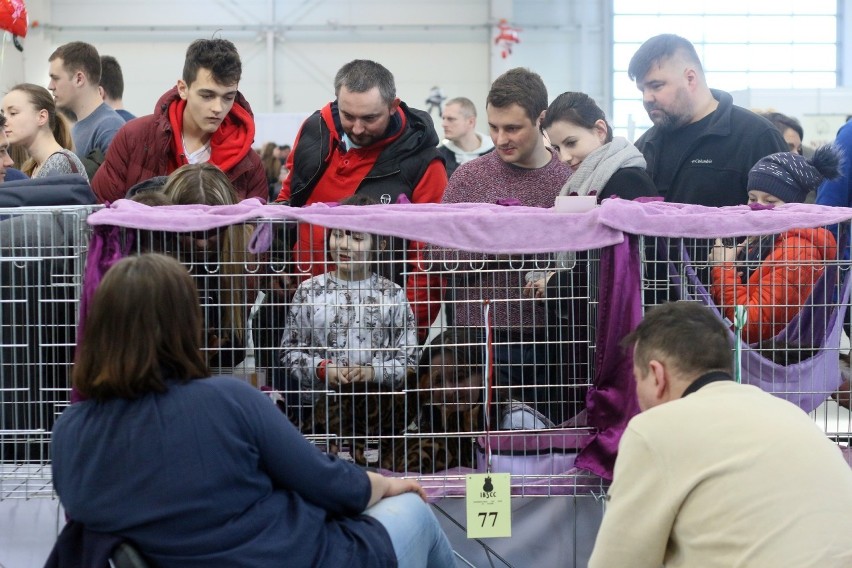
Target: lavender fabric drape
{"type": "Point", "coordinates": [817, 325]}
{"type": "Point", "coordinates": [482, 227]}
{"type": "Point", "coordinates": [106, 247]}
{"type": "Point", "coordinates": [611, 401]}
{"type": "Point", "coordinates": [661, 219]}
{"type": "Point", "coordinates": [475, 227]}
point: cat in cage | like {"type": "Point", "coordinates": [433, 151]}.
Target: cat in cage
{"type": "Point", "coordinates": [451, 378]}
{"type": "Point", "coordinates": [440, 411]}
{"type": "Point", "coordinates": [449, 407]}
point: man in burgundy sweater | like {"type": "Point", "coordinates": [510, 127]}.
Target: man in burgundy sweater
{"type": "Point", "coordinates": [520, 169]}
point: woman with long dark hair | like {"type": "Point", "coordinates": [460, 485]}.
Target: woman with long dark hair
{"type": "Point", "coordinates": [203, 471]}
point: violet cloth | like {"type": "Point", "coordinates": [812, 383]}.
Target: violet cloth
{"type": "Point", "coordinates": [480, 227]}
{"type": "Point", "coordinates": [475, 227]}
{"type": "Point", "coordinates": [817, 325]}
{"type": "Point", "coordinates": [611, 401]}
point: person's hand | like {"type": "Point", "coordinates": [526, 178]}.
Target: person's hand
{"type": "Point", "coordinates": [215, 343]}
{"type": "Point", "coordinates": [381, 487]}
{"type": "Point", "coordinates": [335, 375]}
{"type": "Point", "coordinates": [398, 486]}
{"type": "Point", "coordinates": [720, 254]}
{"type": "Point", "coordinates": [536, 288]}
{"type": "Point", "coordinates": [360, 374]}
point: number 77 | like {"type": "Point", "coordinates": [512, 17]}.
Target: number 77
{"type": "Point", "coordinates": [485, 517]}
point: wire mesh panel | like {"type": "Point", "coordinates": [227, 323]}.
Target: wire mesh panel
{"type": "Point", "coordinates": [783, 295]}
{"type": "Point", "coordinates": [419, 359]}
{"type": "Point", "coordinates": [347, 338]}
{"type": "Point", "coordinates": [42, 255]}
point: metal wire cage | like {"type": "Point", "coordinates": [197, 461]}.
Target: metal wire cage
{"type": "Point", "coordinates": [401, 356]}
{"type": "Point", "coordinates": [42, 257]}
{"type": "Point", "coordinates": [784, 296]}
{"type": "Point", "coordinates": [421, 360]}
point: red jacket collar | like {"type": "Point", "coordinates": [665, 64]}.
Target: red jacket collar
{"type": "Point", "coordinates": [229, 144]}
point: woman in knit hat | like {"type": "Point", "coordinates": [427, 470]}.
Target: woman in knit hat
{"type": "Point", "coordinates": [772, 275]}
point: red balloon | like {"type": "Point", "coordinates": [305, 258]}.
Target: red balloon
{"type": "Point", "coordinates": [13, 17]}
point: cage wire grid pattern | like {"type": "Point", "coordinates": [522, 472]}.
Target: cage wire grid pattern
{"type": "Point", "coordinates": [42, 257]}
{"type": "Point", "coordinates": [347, 347]}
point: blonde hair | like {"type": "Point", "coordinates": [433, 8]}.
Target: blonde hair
{"type": "Point", "coordinates": [206, 184]}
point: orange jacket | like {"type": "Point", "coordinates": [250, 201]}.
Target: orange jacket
{"type": "Point", "coordinates": [777, 289]}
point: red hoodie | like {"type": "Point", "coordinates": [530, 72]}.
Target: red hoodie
{"type": "Point", "coordinates": [145, 148]}
{"type": "Point", "coordinates": [231, 141]}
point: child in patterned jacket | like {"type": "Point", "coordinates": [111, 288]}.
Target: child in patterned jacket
{"type": "Point", "coordinates": [350, 324]}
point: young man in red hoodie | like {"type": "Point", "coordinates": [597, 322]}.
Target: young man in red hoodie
{"type": "Point", "coordinates": [204, 118]}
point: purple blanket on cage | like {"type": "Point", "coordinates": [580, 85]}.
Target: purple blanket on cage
{"type": "Point", "coordinates": [476, 227]}
{"type": "Point", "coordinates": [661, 219]}
{"type": "Point", "coordinates": [485, 228]}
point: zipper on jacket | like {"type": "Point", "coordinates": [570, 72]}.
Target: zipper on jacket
{"type": "Point", "coordinates": [384, 175]}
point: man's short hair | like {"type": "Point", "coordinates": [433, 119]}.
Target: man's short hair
{"type": "Point", "coordinates": [468, 109]}
{"type": "Point", "coordinates": [521, 87]}
{"type": "Point", "coordinates": [688, 335]}
{"type": "Point", "coordinates": [659, 48]}
{"type": "Point", "coordinates": [782, 122]}
{"type": "Point", "coordinates": [112, 80]}
{"type": "Point", "coordinates": [219, 56]}
{"type": "Point", "coordinates": [361, 75]}
{"type": "Point", "coordinates": [80, 56]}
{"type": "Point", "coordinates": [2, 120]}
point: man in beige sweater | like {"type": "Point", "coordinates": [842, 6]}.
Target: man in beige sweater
{"type": "Point", "coordinates": [713, 473]}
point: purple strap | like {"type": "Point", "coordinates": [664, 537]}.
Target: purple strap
{"type": "Point", "coordinates": [808, 383]}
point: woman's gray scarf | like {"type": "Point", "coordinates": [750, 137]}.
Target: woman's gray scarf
{"type": "Point", "coordinates": [595, 171]}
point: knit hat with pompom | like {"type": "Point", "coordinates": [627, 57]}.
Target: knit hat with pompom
{"type": "Point", "coordinates": [790, 177]}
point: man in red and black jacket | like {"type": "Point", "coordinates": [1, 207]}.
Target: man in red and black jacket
{"type": "Point", "coordinates": [202, 119]}
{"type": "Point", "coordinates": [367, 142]}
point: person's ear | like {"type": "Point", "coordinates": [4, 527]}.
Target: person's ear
{"type": "Point", "coordinates": [43, 117]}
{"type": "Point", "coordinates": [539, 119]}
{"type": "Point", "coordinates": [79, 78]}
{"type": "Point", "coordinates": [394, 105]}
{"type": "Point", "coordinates": [691, 76]}
{"type": "Point", "coordinates": [601, 129]}
{"type": "Point", "coordinates": [660, 378]}
{"type": "Point", "coordinates": [182, 88]}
